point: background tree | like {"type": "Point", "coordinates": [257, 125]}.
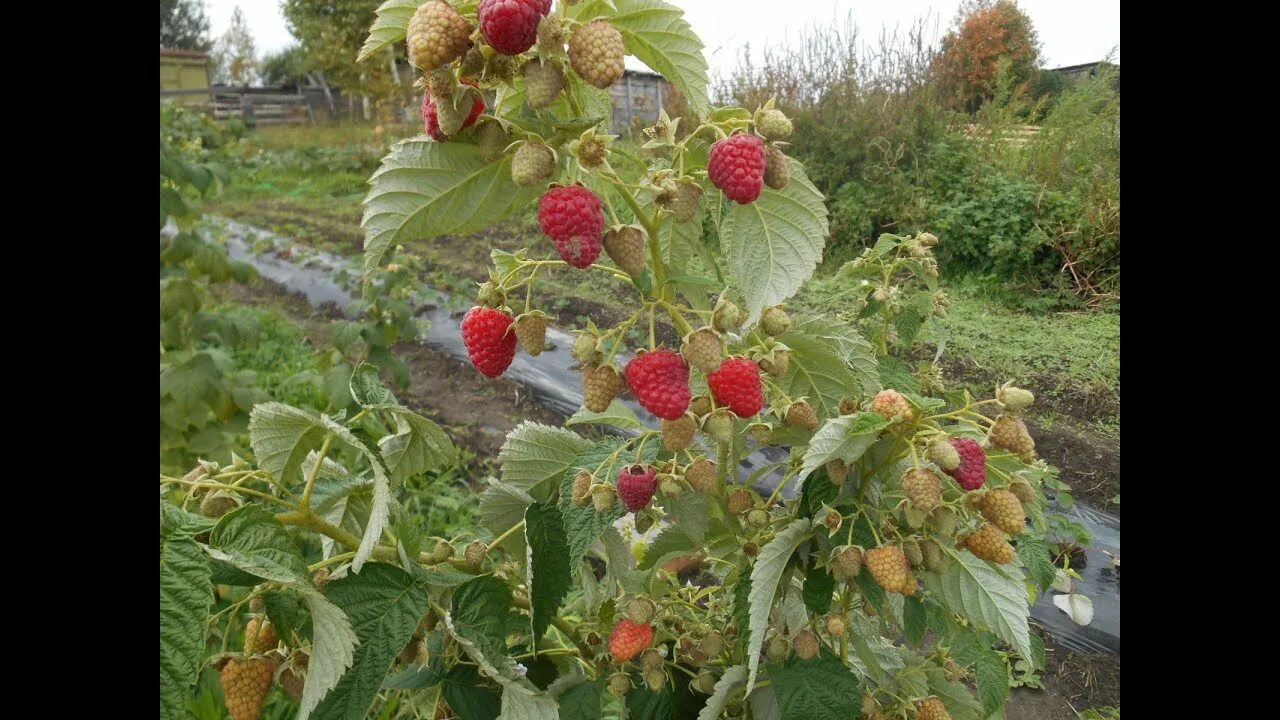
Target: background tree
{"type": "Point", "coordinates": [986, 33]}
{"type": "Point", "coordinates": [183, 25]}
{"type": "Point", "coordinates": [331, 33]}
{"type": "Point", "coordinates": [235, 56]}
{"type": "Point", "coordinates": [285, 67]}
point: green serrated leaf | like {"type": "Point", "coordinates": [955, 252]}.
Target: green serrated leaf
{"type": "Point", "coordinates": [480, 615]}
{"type": "Point", "coordinates": [618, 414]}
{"type": "Point", "coordinates": [913, 620]}
{"type": "Point", "coordinates": [186, 591]}
{"type": "Point", "coordinates": [389, 26]}
{"type": "Point", "coordinates": [380, 508]}
{"type": "Point", "coordinates": [417, 445]}
{"type": "Point", "coordinates": [287, 610]}
{"type": "Point", "coordinates": [251, 539]}
{"type": "Point", "coordinates": [367, 388]}
{"type": "Point", "coordinates": [846, 437]}
{"type": "Point", "coordinates": [731, 679]}
{"type": "Point", "coordinates": [332, 650]}
{"type": "Point", "coordinates": [984, 595]}
{"type": "Point", "coordinates": [384, 605]}
{"type": "Point", "coordinates": [580, 702]}
{"type": "Point", "coordinates": [820, 688]}
{"type": "Point", "coordinates": [959, 701]}
{"type": "Point", "coordinates": [281, 436]}
{"type": "Point", "coordinates": [426, 189]}
{"type": "Point", "coordinates": [765, 576]}
{"type": "Point", "coordinates": [817, 491]}
{"type": "Point", "coordinates": [771, 246]}
{"type": "Point", "coordinates": [831, 361]}
{"type": "Point", "coordinates": [672, 542]}
{"type": "Point", "coordinates": [534, 456]}
{"type": "Point", "coordinates": [1035, 555]}
{"type": "Point", "coordinates": [818, 587]}
{"type": "Point", "coordinates": [548, 567]}
{"type": "Point", "coordinates": [466, 696]}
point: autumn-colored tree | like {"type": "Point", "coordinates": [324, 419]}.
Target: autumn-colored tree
{"type": "Point", "coordinates": [986, 32]}
{"type": "Point", "coordinates": [331, 33]}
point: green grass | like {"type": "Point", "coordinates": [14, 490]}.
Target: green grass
{"type": "Point", "coordinates": [286, 367]}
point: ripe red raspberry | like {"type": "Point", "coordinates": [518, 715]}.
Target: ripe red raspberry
{"type": "Point", "coordinates": [573, 217]}
{"type": "Point", "coordinates": [490, 341]}
{"type": "Point", "coordinates": [660, 381]}
{"type": "Point", "coordinates": [629, 639]}
{"type": "Point", "coordinates": [511, 26]}
{"type": "Point", "coordinates": [972, 472]}
{"type": "Point", "coordinates": [432, 118]}
{"type": "Point", "coordinates": [737, 167]}
{"type": "Point", "coordinates": [636, 484]}
{"type": "Point", "coordinates": [737, 385]}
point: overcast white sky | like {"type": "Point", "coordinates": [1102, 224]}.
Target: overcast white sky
{"type": "Point", "coordinates": [1070, 33]}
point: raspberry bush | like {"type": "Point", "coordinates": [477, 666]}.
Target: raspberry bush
{"type": "Point", "coordinates": [865, 570]}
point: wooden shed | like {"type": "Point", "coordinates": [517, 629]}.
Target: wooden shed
{"type": "Point", "coordinates": [185, 70]}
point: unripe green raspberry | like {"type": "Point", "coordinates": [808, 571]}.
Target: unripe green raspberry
{"type": "Point", "coordinates": [712, 645]}
{"type": "Point", "coordinates": [941, 452]}
{"type": "Point", "coordinates": [491, 295]}
{"type": "Point", "coordinates": [927, 239]}
{"type": "Point", "coordinates": [806, 645]}
{"type": "Point", "coordinates": [492, 139]}
{"type": "Point", "coordinates": [582, 489]}
{"type": "Point", "coordinates": [543, 82]}
{"type": "Point", "coordinates": [914, 554]}
{"type": "Point", "coordinates": [740, 501]}
{"type": "Point", "coordinates": [700, 405]}
{"type": "Point", "coordinates": [436, 35]}
{"type": "Point", "coordinates": [218, 503]}
{"type": "Point", "coordinates": [704, 683]}
{"type": "Point", "coordinates": [778, 650]}
{"type": "Point", "coordinates": [651, 659]}
{"type": "Point", "coordinates": [758, 518]}
{"type": "Point", "coordinates": [944, 520]}
{"type": "Point", "coordinates": [1022, 490]}
{"type": "Point", "coordinates": [775, 321]}
{"type": "Point", "coordinates": [681, 197]}
{"type": "Point", "coordinates": [726, 316]}
{"type": "Point", "coordinates": [836, 626]}
{"type": "Point", "coordinates": [932, 555]}
{"type": "Point", "coordinates": [597, 52]}
{"type": "Point", "coordinates": [703, 349]}
{"type": "Point", "coordinates": [678, 434]}
{"type": "Point", "coordinates": [837, 471]}
{"type": "Point", "coordinates": [777, 171]}
{"type": "Point", "coordinates": [476, 553]}
{"type": "Point", "coordinates": [620, 685]}
{"type": "Point", "coordinates": [1015, 399]}
{"type": "Point", "coordinates": [773, 124]}
{"type": "Point", "coordinates": [655, 679]}
{"type": "Point", "coordinates": [760, 433]}
{"type": "Point", "coordinates": [847, 559]}
{"type": "Point", "coordinates": [776, 363]}
{"type": "Point", "coordinates": [719, 426]}
{"type": "Point", "coordinates": [701, 475]}
{"type": "Point", "coordinates": [672, 487]}
{"type": "Point", "coordinates": [640, 609]}
{"type": "Point", "coordinates": [443, 551]}
{"type": "Point", "coordinates": [605, 498]}
{"type": "Point", "coordinates": [532, 163]}
{"type": "Point", "coordinates": [626, 246]}
{"type": "Point", "coordinates": [586, 348]}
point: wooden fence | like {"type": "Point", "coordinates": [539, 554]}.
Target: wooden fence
{"type": "Point", "coordinates": [1013, 135]}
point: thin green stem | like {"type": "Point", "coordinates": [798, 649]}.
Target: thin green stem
{"type": "Point", "coordinates": [230, 488]}
{"type": "Point", "coordinates": [305, 503]}
{"type": "Point", "coordinates": [509, 532]}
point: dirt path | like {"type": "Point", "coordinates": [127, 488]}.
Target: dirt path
{"type": "Point", "coordinates": [478, 412]}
